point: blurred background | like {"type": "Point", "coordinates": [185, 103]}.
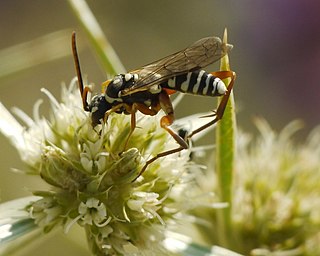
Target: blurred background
{"type": "Point", "coordinates": [276, 56]}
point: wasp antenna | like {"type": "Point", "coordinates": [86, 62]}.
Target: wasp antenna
{"type": "Point", "coordinates": [78, 70]}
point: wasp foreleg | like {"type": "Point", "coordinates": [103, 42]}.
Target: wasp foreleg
{"type": "Point", "coordinates": [113, 109]}
{"type": "Point", "coordinates": [84, 92]}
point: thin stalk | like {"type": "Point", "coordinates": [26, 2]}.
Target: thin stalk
{"type": "Point", "coordinates": [225, 156]}
{"type": "Point", "coordinates": [102, 46]}
{"type": "Point", "coordinates": [35, 52]}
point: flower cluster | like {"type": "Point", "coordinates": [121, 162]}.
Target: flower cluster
{"type": "Point", "coordinates": [93, 173]}
{"type": "Point", "coordinates": [276, 206]}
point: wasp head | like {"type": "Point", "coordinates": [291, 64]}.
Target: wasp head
{"type": "Point", "coordinates": [98, 108]}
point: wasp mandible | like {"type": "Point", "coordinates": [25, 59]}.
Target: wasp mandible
{"type": "Point", "coordinates": [148, 88]}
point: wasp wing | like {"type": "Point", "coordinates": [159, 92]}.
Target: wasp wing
{"type": "Point", "coordinates": [199, 55]}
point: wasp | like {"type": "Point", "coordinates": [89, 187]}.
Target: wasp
{"type": "Point", "coordinates": [148, 88]}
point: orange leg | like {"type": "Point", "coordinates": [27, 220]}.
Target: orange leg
{"type": "Point", "coordinates": [129, 109]}
{"type": "Point", "coordinates": [143, 109]}
{"type": "Point", "coordinates": [165, 123]}
{"type": "Point", "coordinates": [168, 119]}
{"type": "Point", "coordinates": [224, 75]}
{"type": "Point", "coordinates": [162, 154]}
{"type": "Point", "coordinates": [153, 110]}
{"type": "Point", "coordinates": [115, 109]}
{"type": "Point", "coordinates": [132, 125]}
{"type": "Point", "coordinates": [85, 91]}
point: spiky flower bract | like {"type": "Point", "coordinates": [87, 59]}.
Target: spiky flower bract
{"type": "Point", "coordinates": [93, 176]}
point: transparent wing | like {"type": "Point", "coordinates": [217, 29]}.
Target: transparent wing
{"type": "Point", "coordinates": [199, 55]}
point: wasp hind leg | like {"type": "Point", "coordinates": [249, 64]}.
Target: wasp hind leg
{"type": "Point", "coordinates": [218, 113]}
{"type": "Point", "coordinates": [165, 122]}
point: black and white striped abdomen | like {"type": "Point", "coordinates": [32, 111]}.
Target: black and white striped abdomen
{"type": "Point", "coordinates": [197, 82]}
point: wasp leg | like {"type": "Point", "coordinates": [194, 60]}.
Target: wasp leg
{"type": "Point", "coordinates": [165, 122]}
{"type": "Point", "coordinates": [218, 113]}
{"type": "Point", "coordinates": [168, 119]}
{"type": "Point", "coordinates": [163, 154]}
{"type": "Point", "coordinates": [129, 109]}
{"type": "Point", "coordinates": [85, 104]}
{"type": "Point", "coordinates": [225, 74]}
{"type": "Point", "coordinates": [113, 109]}
{"type": "Point", "coordinates": [153, 110]}
{"type": "Point", "coordinates": [133, 122]}
{"type": "Point", "coordinates": [144, 110]}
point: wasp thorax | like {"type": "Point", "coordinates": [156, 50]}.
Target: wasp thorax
{"type": "Point", "coordinates": [115, 86]}
{"type": "Point", "coordinates": [118, 84]}
{"type": "Point", "coordinates": [131, 77]}
{"type": "Point", "coordinates": [128, 77]}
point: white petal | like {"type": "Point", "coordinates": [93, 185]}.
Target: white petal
{"type": "Point", "coordinates": [92, 203]}
{"type": "Point", "coordinates": [10, 127]}
{"type": "Point", "coordinates": [135, 205]}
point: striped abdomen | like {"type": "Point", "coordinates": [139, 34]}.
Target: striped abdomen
{"type": "Point", "coordinates": [197, 82]}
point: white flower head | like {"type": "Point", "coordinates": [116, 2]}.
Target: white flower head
{"type": "Point", "coordinates": [276, 196]}
{"type": "Point", "coordinates": [94, 177]}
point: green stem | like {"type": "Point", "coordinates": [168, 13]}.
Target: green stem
{"type": "Point", "coordinates": [106, 53]}
{"type": "Point", "coordinates": [225, 155]}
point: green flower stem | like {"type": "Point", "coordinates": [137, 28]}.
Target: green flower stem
{"type": "Point", "coordinates": [106, 53]}
{"type": "Point", "coordinates": [225, 155]}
